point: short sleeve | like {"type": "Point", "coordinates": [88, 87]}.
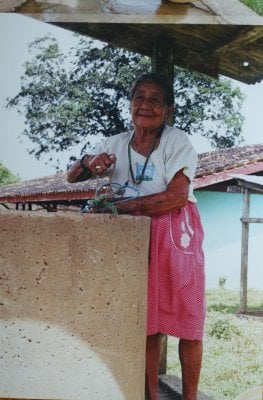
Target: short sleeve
{"type": "Point", "coordinates": [179, 154]}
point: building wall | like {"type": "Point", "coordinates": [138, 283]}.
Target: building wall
{"type": "Point", "coordinates": [10, 5]}
{"type": "Point", "coordinates": [72, 305]}
{"type": "Point", "coordinates": [221, 213]}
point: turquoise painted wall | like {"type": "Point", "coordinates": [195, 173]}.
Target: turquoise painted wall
{"type": "Point", "coordinates": [220, 214]}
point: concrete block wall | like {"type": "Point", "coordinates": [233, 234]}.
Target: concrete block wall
{"type": "Point", "coordinates": [10, 5]}
{"type": "Point", "coordinates": [72, 306]}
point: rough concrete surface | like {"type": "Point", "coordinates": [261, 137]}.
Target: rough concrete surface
{"type": "Point", "coordinates": [72, 305]}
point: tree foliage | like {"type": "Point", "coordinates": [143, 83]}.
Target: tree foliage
{"type": "Point", "coordinates": [6, 176]}
{"type": "Point", "coordinates": [68, 98]}
{"type": "Point", "coordinates": [209, 107]}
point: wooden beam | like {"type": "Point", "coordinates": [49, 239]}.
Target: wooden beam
{"type": "Point", "coordinates": [252, 220]}
{"type": "Point", "coordinates": [150, 11]}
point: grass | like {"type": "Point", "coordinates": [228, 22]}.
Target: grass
{"type": "Point", "coordinates": [255, 5]}
{"type": "Point", "coordinates": [233, 346]}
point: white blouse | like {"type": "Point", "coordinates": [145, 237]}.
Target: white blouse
{"type": "Point", "coordinates": [175, 152]}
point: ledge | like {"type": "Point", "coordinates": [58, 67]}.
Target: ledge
{"type": "Point", "coordinates": [174, 385]}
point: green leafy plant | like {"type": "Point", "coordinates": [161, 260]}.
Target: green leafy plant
{"type": "Point", "coordinates": [6, 176]}
{"type": "Point", "coordinates": [230, 366]}
{"type": "Point", "coordinates": [222, 281]}
{"type": "Point", "coordinates": [222, 328]}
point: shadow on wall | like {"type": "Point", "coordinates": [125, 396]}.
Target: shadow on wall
{"type": "Point", "coordinates": [73, 305]}
{"type": "Point", "coordinates": [59, 365]}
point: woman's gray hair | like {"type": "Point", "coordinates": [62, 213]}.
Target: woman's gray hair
{"type": "Point", "coordinates": [155, 79]}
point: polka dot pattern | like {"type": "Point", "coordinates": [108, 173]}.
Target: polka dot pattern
{"type": "Point", "coordinates": [176, 280]}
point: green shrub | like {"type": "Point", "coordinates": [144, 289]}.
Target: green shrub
{"type": "Point", "coordinates": [223, 329]}
{"type": "Point", "coordinates": [222, 281]}
{"type": "Point", "coordinates": [230, 366]}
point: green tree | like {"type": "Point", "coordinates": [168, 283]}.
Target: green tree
{"type": "Point", "coordinates": [6, 176]}
{"type": "Point", "coordinates": [68, 98]}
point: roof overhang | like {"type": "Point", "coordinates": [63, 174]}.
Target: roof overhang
{"type": "Point", "coordinates": [50, 197]}
{"type": "Point", "coordinates": [209, 36]}
{"type": "Point", "coordinates": [220, 181]}
{"type": "Point", "coordinates": [233, 51]}
{"type": "Point", "coordinates": [253, 183]}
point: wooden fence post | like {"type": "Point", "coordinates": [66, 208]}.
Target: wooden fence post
{"type": "Point", "coordinates": [244, 250]}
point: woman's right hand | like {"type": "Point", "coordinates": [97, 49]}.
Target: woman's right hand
{"type": "Point", "coordinates": [100, 163]}
{"type": "Point", "coordinates": [83, 169]}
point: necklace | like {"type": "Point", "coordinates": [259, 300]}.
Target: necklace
{"type": "Point", "coordinates": [140, 178]}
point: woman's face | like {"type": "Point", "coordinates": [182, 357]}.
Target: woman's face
{"type": "Point", "coordinates": [148, 108]}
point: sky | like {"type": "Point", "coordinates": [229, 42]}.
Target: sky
{"type": "Point", "coordinates": [16, 32]}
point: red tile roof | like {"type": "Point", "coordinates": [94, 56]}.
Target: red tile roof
{"type": "Point", "coordinates": [213, 167]}
{"type": "Point", "coordinates": [217, 166]}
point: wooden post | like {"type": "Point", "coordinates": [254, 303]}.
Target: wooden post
{"type": "Point", "coordinates": [163, 63]}
{"type": "Point", "coordinates": [163, 357]}
{"type": "Point", "coordinates": [163, 58]}
{"type": "Point", "coordinates": [244, 250]}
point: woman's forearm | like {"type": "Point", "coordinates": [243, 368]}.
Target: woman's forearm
{"type": "Point", "coordinates": [79, 171]}
{"type": "Point", "coordinates": [175, 196]}
{"type": "Point", "coordinates": [159, 203]}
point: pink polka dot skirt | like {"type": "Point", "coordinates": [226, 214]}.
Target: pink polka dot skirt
{"type": "Point", "coordinates": [176, 282]}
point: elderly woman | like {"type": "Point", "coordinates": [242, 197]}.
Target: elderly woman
{"type": "Point", "coordinates": [159, 161]}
